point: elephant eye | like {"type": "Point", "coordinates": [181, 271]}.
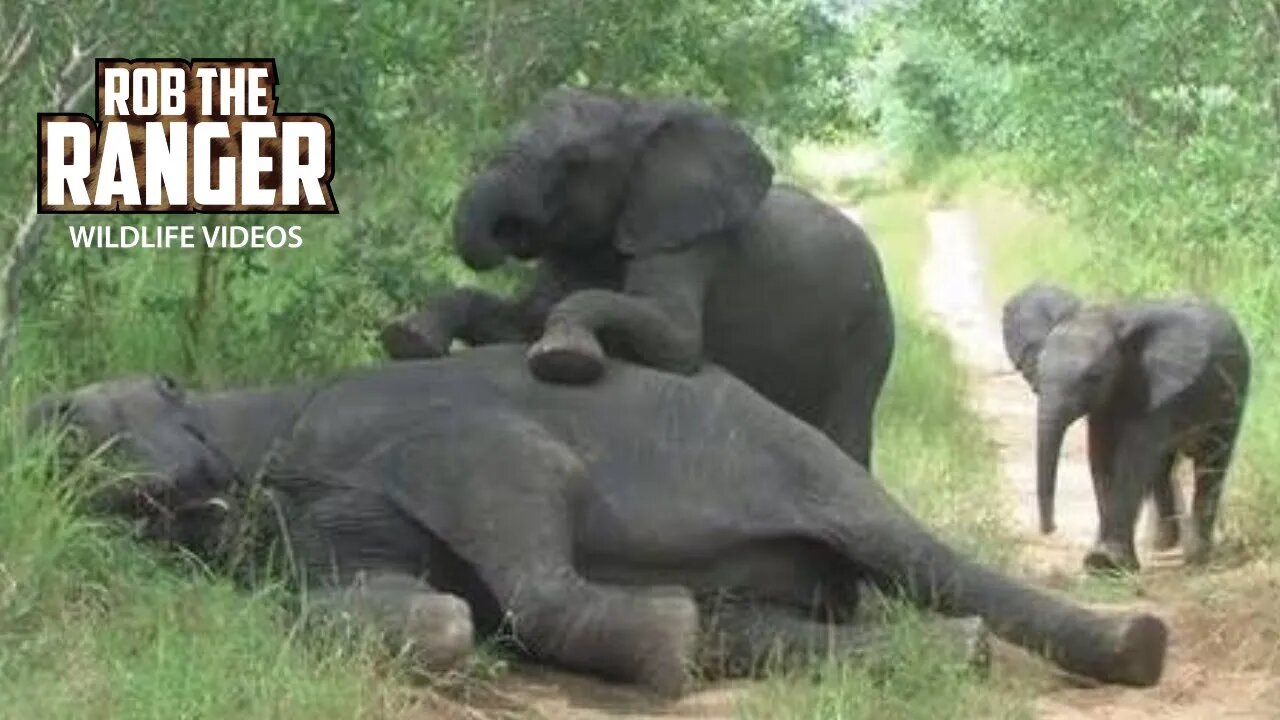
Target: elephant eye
{"type": "Point", "coordinates": [169, 387]}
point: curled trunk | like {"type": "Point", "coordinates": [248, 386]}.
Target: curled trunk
{"type": "Point", "coordinates": [479, 207]}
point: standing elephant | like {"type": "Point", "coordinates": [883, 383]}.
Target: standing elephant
{"type": "Point", "coordinates": [640, 528]}
{"type": "Point", "coordinates": [660, 234]}
{"type": "Point", "coordinates": [1155, 378]}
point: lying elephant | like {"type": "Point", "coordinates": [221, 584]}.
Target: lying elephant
{"type": "Point", "coordinates": [661, 237]}
{"type": "Point", "coordinates": [603, 524]}
{"type": "Point", "coordinates": [1156, 378]}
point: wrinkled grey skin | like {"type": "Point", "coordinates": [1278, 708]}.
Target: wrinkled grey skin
{"type": "Point", "coordinates": [660, 238]}
{"type": "Point", "coordinates": [638, 528]}
{"type": "Point", "coordinates": [1155, 378]}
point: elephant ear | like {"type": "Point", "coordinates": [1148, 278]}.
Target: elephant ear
{"type": "Point", "coordinates": [1028, 318]}
{"type": "Point", "coordinates": [1168, 346]}
{"type": "Point", "coordinates": [696, 173]}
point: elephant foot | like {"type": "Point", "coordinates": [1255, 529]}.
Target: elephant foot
{"type": "Point", "coordinates": [433, 629]}
{"type": "Point", "coordinates": [406, 338]}
{"type": "Point", "coordinates": [438, 631]}
{"type": "Point", "coordinates": [1137, 652]}
{"type": "Point", "coordinates": [972, 636]}
{"type": "Point", "coordinates": [1106, 559]}
{"type": "Point", "coordinates": [1196, 551]}
{"type": "Point", "coordinates": [667, 654]}
{"type": "Point", "coordinates": [1167, 535]}
{"type": "Point", "coordinates": [567, 354]}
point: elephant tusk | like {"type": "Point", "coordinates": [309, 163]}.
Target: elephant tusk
{"type": "Point", "coordinates": [219, 503]}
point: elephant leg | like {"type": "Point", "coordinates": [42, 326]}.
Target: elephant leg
{"type": "Point", "coordinates": [473, 316]}
{"type": "Point", "coordinates": [1141, 455]}
{"type": "Point", "coordinates": [889, 547]}
{"type": "Point", "coordinates": [747, 638]}
{"type": "Point", "coordinates": [851, 413]}
{"type": "Point", "coordinates": [657, 320]}
{"type": "Point", "coordinates": [512, 524]}
{"type": "Point", "coordinates": [1103, 444]}
{"type": "Point", "coordinates": [478, 317]}
{"type": "Point", "coordinates": [1211, 462]}
{"type": "Point", "coordinates": [432, 627]}
{"type": "Point", "coordinates": [645, 635]}
{"type": "Point", "coordinates": [1164, 495]}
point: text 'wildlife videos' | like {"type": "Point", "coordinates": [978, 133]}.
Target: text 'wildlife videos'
{"type": "Point", "coordinates": [230, 237]}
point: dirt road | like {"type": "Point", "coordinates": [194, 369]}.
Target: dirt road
{"type": "Point", "coordinates": [1222, 662]}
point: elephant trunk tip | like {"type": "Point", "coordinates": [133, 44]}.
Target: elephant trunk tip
{"type": "Point", "coordinates": [477, 212]}
{"type": "Point", "coordinates": [481, 255]}
{"type": "Point", "coordinates": [1051, 428]}
{"type": "Point", "coordinates": [1047, 524]}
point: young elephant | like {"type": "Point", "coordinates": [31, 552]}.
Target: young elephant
{"type": "Point", "coordinates": [646, 526]}
{"type": "Point", "coordinates": [1155, 378]}
{"type": "Point", "coordinates": [661, 238]}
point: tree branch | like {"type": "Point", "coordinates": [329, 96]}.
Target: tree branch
{"type": "Point", "coordinates": [65, 92]}
{"type": "Point", "coordinates": [15, 50]}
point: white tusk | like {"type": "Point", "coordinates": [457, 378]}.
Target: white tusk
{"type": "Point", "coordinates": [219, 503]}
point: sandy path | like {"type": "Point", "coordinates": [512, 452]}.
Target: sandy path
{"type": "Point", "coordinates": [952, 280]}
{"type": "Point", "coordinates": [1222, 661]}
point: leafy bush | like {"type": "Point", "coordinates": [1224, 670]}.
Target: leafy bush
{"type": "Point", "coordinates": [417, 94]}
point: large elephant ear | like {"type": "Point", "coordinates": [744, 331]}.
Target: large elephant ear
{"type": "Point", "coordinates": [696, 172]}
{"type": "Point", "coordinates": [1168, 345]}
{"type": "Point", "coordinates": [1028, 318]}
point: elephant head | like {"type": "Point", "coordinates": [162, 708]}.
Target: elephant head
{"type": "Point", "coordinates": [178, 486]}
{"type": "Point", "coordinates": [1028, 318]}
{"type": "Point", "coordinates": [1091, 359]}
{"type": "Point", "coordinates": [590, 172]}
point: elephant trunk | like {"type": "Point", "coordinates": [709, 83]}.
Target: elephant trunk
{"type": "Point", "coordinates": [1051, 426]}
{"type": "Point", "coordinates": [481, 205]}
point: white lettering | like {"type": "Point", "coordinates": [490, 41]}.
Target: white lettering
{"type": "Point", "coordinates": [61, 176]}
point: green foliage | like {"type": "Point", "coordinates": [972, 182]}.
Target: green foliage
{"type": "Point", "coordinates": [417, 94]}
{"type": "Point", "coordinates": [922, 93]}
